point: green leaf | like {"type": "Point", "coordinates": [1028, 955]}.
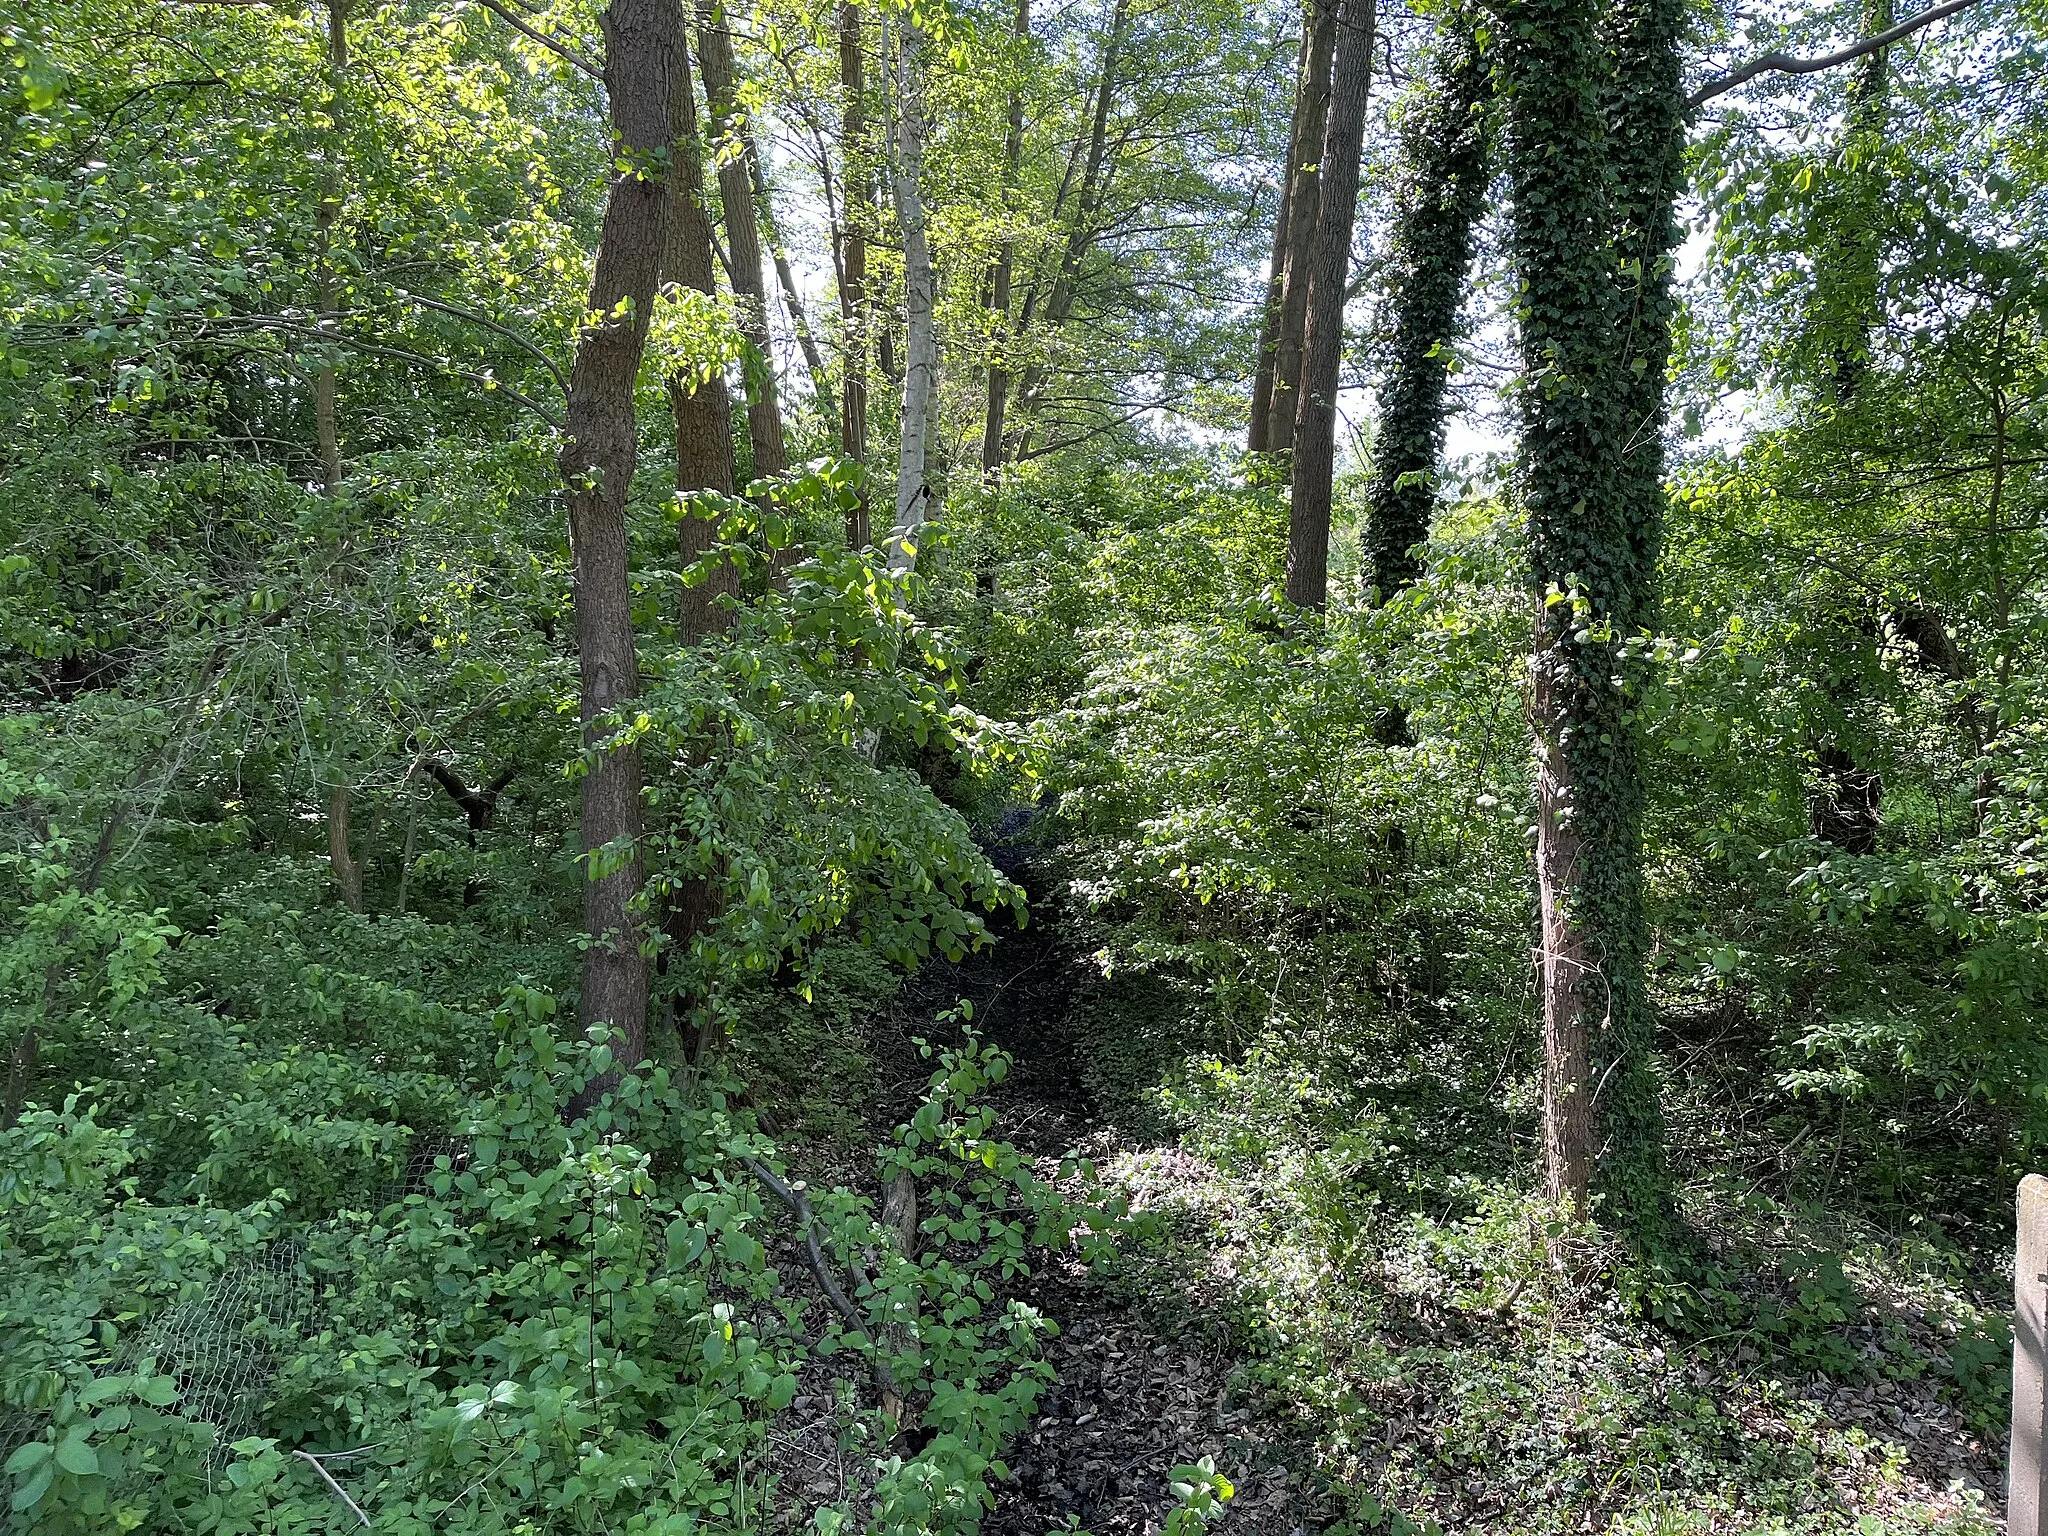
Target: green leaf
{"type": "Point", "coordinates": [35, 1452]}
{"type": "Point", "coordinates": [30, 1493]}
{"type": "Point", "coordinates": [76, 1456]}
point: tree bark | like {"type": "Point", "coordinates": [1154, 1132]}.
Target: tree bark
{"type": "Point", "coordinates": [1005, 264]}
{"type": "Point", "coordinates": [700, 408]}
{"type": "Point", "coordinates": [853, 264]}
{"type": "Point", "coordinates": [920, 341]}
{"type": "Point", "coordinates": [1305, 184]}
{"type": "Point", "coordinates": [1432, 252]}
{"type": "Point", "coordinates": [1315, 419]}
{"type": "Point", "coordinates": [643, 62]}
{"type": "Point", "coordinates": [1566, 957]}
{"type": "Point", "coordinates": [742, 237]}
{"type": "Point", "coordinates": [348, 871]}
{"type": "Point", "coordinates": [1259, 429]}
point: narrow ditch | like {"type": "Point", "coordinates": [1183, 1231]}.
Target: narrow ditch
{"type": "Point", "coordinates": [1144, 1384]}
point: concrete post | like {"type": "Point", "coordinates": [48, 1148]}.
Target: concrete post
{"type": "Point", "coordinates": [2025, 1498]}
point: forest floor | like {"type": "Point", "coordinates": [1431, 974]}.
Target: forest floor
{"type": "Point", "coordinates": [1145, 1382]}
{"type": "Point", "coordinates": [1321, 1388]}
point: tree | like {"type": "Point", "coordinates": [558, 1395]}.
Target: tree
{"type": "Point", "coordinates": [1848, 795]}
{"type": "Point", "coordinates": [1004, 268]}
{"type": "Point", "coordinates": [1259, 428]}
{"type": "Point", "coordinates": [643, 49]}
{"type": "Point", "coordinates": [855, 176]}
{"type": "Point", "coordinates": [738, 172]}
{"type": "Point", "coordinates": [699, 402]}
{"type": "Point", "coordinates": [1304, 196]}
{"type": "Point", "coordinates": [1594, 119]}
{"type": "Point", "coordinates": [1444, 147]}
{"type": "Point", "coordinates": [342, 859]}
{"type": "Point", "coordinates": [1081, 228]}
{"type": "Point", "coordinates": [921, 337]}
{"type": "Point", "coordinates": [1329, 276]}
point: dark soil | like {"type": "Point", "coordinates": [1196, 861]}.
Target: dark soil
{"type": "Point", "coordinates": [1138, 1393]}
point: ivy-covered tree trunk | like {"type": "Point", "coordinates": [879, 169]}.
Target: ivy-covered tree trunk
{"type": "Point", "coordinates": [1848, 796]}
{"type": "Point", "coordinates": [1305, 181]}
{"type": "Point", "coordinates": [1315, 418]}
{"type": "Point", "coordinates": [853, 262]}
{"type": "Point", "coordinates": [1646, 148]}
{"type": "Point", "coordinates": [1593, 140]}
{"type": "Point", "coordinates": [1444, 146]}
{"type": "Point", "coordinates": [643, 41]}
{"type": "Point", "coordinates": [1846, 271]}
{"type": "Point", "coordinates": [742, 238]}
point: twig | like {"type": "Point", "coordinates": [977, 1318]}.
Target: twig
{"type": "Point", "coordinates": [339, 1492]}
{"type": "Point", "coordinates": [1785, 64]}
{"type": "Point", "coordinates": [278, 323]}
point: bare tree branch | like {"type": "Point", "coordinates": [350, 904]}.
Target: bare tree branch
{"type": "Point", "coordinates": [488, 324]}
{"type": "Point", "coordinates": [495, 385]}
{"type": "Point", "coordinates": [1785, 64]}
{"type": "Point", "coordinates": [553, 45]}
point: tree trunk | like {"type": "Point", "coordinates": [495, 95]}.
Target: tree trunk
{"type": "Point", "coordinates": [853, 264]}
{"type": "Point", "coordinates": [348, 871]}
{"type": "Point", "coordinates": [1594, 273]}
{"type": "Point", "coordinates": [326, 423]}
{"type": "Point", "coordinates": [643, 62]}
{"type": "Point", "coordinates": [742, 238]}
{"type": "Point", "coordinates": [1848, 800]}
{"type": "Point", "coordinates": [1847, 271]}
{"type": "Point", "coordinates": [1432, 252]}
{"type": "Point", "coordinates": [1006, 257]}
{"type": "Point", "coordinates": [1315, 419]}
{"type": "Point", "coordinates": [1566, 954]}
{"type": "Point", "coordinates": [1304, 192]}
{"type": "Point", "coordinates": [348, 874]}
{"type": "Point", "coordinates": [702, 409]}
{"type": "Point", "coordinates": [1093, 188]}
{"type": "Point", "coordinates": [913, 490]}
{"type": "Point", "coordinates": [1259, 429]}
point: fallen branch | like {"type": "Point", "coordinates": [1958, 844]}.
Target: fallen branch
{"type": "Point", "coordinates": [799, 1201]}
{"type": "Point", "coordinates": [328, 1478]}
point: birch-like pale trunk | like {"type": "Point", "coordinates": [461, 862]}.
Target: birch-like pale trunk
{"type": "Point", "coordinates": [921, 341]}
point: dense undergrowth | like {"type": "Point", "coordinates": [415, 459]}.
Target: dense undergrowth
{"type": "Point", "coordinates": [295, 1196]}
{"type": "Point", "coordinates": [1308, 1016]}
